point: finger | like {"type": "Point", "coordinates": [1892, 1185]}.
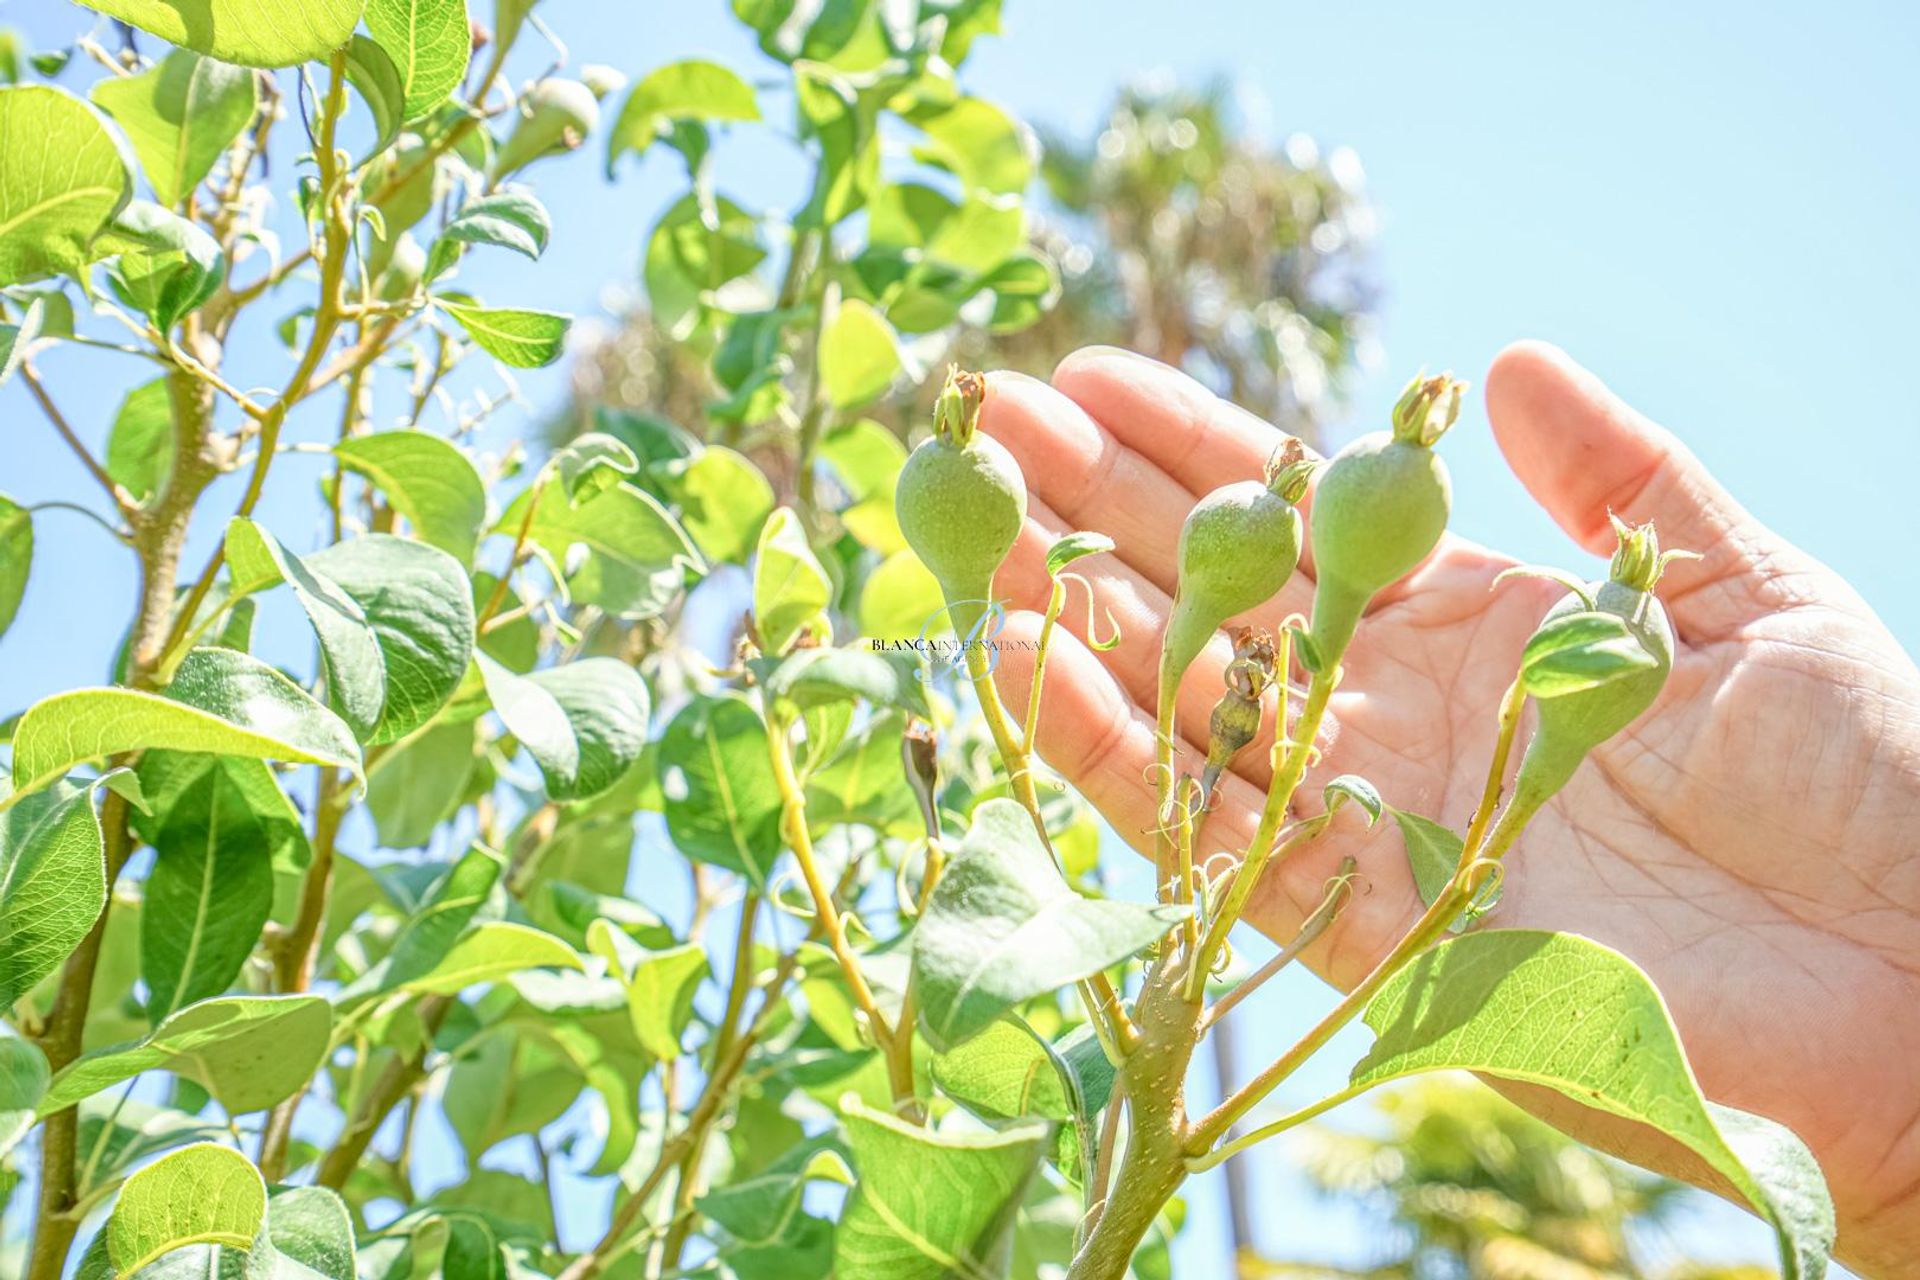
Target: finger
{"type": "Point", "coordinates": [1197, 438]}
{"type": "Point", "coordinates": [1086, 476]}
{"type": "Point", "coordinates": [1581, 452]}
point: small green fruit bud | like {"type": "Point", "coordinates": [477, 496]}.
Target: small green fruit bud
{"type": "Point", "coordinates": [1238, 547]}
{"type": "Point", "coordinates": [602, 80]}
{"type": "Point", "coordinates": [920, 757]}
{"type": "Point", "coordinates": [961, 500]}
{"type": "Point", "coordinates": [1380, 508]}
{"type": "Point", "coordinates": [1236, 717]}
{"type": "Point", "coordinates": [556, 115]}
{"type": "Point", "coordinates": [1574, 724]}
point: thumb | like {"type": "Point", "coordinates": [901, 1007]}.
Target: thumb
{"type": "Point", "coordinates": [1582, 452]}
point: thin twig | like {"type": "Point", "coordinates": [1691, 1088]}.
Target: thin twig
{"type": "Point", "coordinates": [122, 501]}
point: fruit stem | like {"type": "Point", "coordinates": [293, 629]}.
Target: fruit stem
{"type": "Point", "coordinates": [897, 1049]}
{"type": "Point", "coordinates": [1110, 1021]}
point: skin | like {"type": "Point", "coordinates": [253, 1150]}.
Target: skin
{"type": "Point", "coordinates": [1749, 841]}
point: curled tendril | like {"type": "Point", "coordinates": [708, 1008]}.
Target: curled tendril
{"type": "Point", "coordinates": [1113, 624]}
{"type": "Point", "coordinates": [908, 903]}
{"type": "Point", "coordinates": [799, 906]}
{"type": "Point", "coordinates": [1151, 775]}
{"type": "Point", "coordinates": [1222, 960]}
{"type": "Point", "coordinates": [1497, 875]}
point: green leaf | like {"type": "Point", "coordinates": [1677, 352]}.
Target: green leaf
{"type": "Point", "coordinates": [865, 781]}
{"type": "Point", "coordinates": [165, 266]}
{"type": "Point", "coordinates": [660, 985]}
{"type": "Point", "coordinates": [311, 1226]}
{"type": "Point", "coordinates": [429, 42]}
{"type": "Point", "coordinates": [696, 247]}
{"type": "Point", "coordinates": [203, 1194]}
{"type": "Point", "coordinates": [1075, 546]}
{"type": "Point", "coordinates": [1580, 651]}
{"type": "Point", "coordinates": [490, 951]}
{"type": "Point", "coordinates": [1024, 287]}
{"type": "Point", "coordinates": [585, 723]}
{"type": "Point", "coordinates": [371, 70]}
{"type": "Point", "coordinates": [1433, 855]}
{"type": "Point", "coordinates": [166, 777]}
{"type": "Point", "coordinates": [591, 463]}
{"type": "Point", "coordinates": [763, 1209]}
{"type": "Point", "coordinates": [813, 677]}
{"type": "Point", "coordinates": [220, 701]}
{"type": "Point", "coordinates": [209, 893]}
{"type": "Point", "coordinates": [931, 1206]}
{"type": "Point", "coordinates": [120, 1133]}
{"type": "Point", "coordinates": [1480, 1002]}
{"type": "Point", "coordinates": [349, 650]}
{"type": "Point", "coordinates": [637, 556]}
{"type": "Point", "coordinates": [420, 607]}
{"type": "Point", "coordinates": [1004, 1073]}
{"type": "Point", "coordinates": [721, 803]}
{"type": "Point", "coordinates": [23, 1079]}
{"type": "Point", "coordinates": [521, 338]}
{"type": "Point", "coordinates": [980, 144]}
{"type": "Point", "coordinates": [52, 884]}
{"type": "Point", "coordinates": [1003, 926]}
{"type": "Point", "coordinates": [249, 1052]}
{"type": "Point", "coordinates": [253, 33]}
{"type": "Point", "coordinates": [691, 90]}
{"type": "Point", "coordinates": [180, 116]}
{"type": "Point", "coordinates": [16, 339]}
{"type": "Point", "coordinates": [421, 783]}
{"type": "Point", "coordinates": [1351, 786]}
{"type": "Point", "coordinates": [432, 927]}
{"type": "Point", "coordinates": [428, 480]}
{"type": "Point", "coordinates": [512, 218]}
{"type": "Point", "coordinates": [859, 354]}
{"type": "Point", "coordinates": [790, 589]}
{"type": "Point", "coordinates": [723, 501]}
{"type": "Point", "coordinates": [140, 443]}
{"type": "Point", "coordinates": [16, 558]}
{"type": "Point", "coordinates": [62, 180]}
{"type": "Point", "coordinates": [901, 600]}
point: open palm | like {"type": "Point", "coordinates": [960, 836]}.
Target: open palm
{"type": "Point", "coordinates": [1749, 842]}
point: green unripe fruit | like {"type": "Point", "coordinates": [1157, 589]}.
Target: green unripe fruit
{"type": "Point", "coordinates": [961, 500]}
{"type": "Point", "coordinates": [1573, 724]}
{"type": "Point", "coordinates": [556, 115]}
{"type": "Point", "coordinates": [1379, 510]}
{"type": "Point", "coordinates": [1238, 547]}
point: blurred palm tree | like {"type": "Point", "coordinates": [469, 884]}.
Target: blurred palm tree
{"type": "Point", "coordinates": [1468, 1185]}
{"type": "Point", "coordinates": [1181, 234]}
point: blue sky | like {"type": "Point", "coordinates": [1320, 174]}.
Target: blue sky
{"type": "Point", "coordinates": [1713, 207]}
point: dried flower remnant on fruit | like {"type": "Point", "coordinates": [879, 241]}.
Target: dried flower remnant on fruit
{"type": "Point", "coordinates": [956, 415]}
{"type": "Point", "coordinates": [1290, 470]}
{"type": "Point", "coordinates": [1237, 715]}
{"type": "Point", "coordinates": [1427, 408]}
{"type": "Point", "coordinates": [1638, 561]}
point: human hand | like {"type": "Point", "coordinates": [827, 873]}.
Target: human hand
{"type": "Point", "coordinates": [1750, 842]}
